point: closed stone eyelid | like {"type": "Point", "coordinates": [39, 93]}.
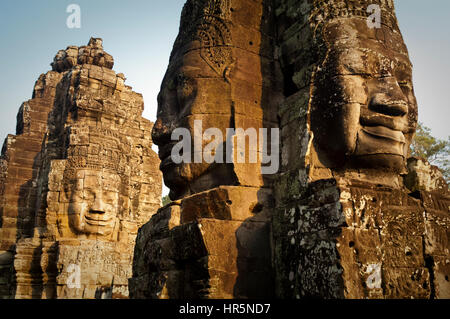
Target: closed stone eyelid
{"type": "Point", "coordinates": [180, 78]}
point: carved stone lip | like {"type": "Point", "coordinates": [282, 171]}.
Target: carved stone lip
{"type": "Point", "coordinates": [384, 132]}
{"type": "Point", "coordinates": [97, 221]}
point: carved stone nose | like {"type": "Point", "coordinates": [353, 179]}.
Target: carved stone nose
{"type": "Point", "coordinates": [387, 104]}
{"type": "Point", "coordinates": [160, 133]}
{"type": "Point", "coordinates": [98, 207]}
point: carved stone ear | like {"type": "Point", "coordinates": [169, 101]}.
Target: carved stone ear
{"type": "Point", "coordinates": [228, 70]}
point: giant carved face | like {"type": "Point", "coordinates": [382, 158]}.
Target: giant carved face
{"type": "Point", "coordinates": [192, 90]}
{"type": "Point", "coordinates": [364, 111]}
{"type": "Point", "coordinates": [220, 73]}
{"type": "Point", "coordinates": [93, 202]}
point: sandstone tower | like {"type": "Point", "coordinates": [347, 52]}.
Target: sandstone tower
{"type": "Point", "coordinates": [346, 223]}
{"type": "Point", "coordinates": [213, 240]}
{"type": "Point", "coordinates": [78, 180]}
{"type": "Point", "coordinates": [348, 215]}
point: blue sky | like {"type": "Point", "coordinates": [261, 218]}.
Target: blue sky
{"type": "Point", "coordinates": [426, 29]}
{"type": "Point", "coordinates": [140, 33]}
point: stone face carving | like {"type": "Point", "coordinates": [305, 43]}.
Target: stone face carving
{"type": "Point", "coordinates": [96, 183]}
{"type": "Point", "coordinates": [363, 109]}
{"type": "Point", "coordinates": [354, 228]}
{"type": "Point", "coordinates": [219, 71]}
{"type": "Point", "coordinates": [223, 73]}
{"type": "Point", "coordinates": [93, 202]}
{"type": "Point", "coordinates": [353, 217]}
{"type": "Point", "coordinates": [180, 101]}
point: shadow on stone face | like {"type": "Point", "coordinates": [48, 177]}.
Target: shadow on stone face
{"type": "Point", "coordinates": [36, 274]}
{"type": "Point", "coordinates": [254, 262]}
{"type": "Point", "coordinates": [255, 275]}
{"type": "Point", "coordinates": [103, 293]}
{"type": "Point", "coordinates": [6, 272]}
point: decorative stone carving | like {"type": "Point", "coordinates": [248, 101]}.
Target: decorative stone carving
{"type": "Point", "coordinates": [346, 224]}
{"type": "Point", "coordinates": [214, 244]}
{"type": "Point", "coordinates": [353, 217]}
{"type": "Point", "coordinates": [222, 71]}
{"type": "Point", "coordinates": [96, 183]}
{"type": "Point", "coordinates": [218, 88]}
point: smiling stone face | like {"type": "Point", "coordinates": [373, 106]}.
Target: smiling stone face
{"type": "Point", "coordinates": [364, 111]}
{"type": "Point", "coordinates": [93, 202]}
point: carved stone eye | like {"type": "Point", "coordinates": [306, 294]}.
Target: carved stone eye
{"type": "Point", "coordinates": [185, 88]}
{"type": "Point", "coordinates": [180, 79]}
{"type": "Point", "coordinates": [403, 84]}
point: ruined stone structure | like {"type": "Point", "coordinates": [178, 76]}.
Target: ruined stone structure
{"type": "Point", "coordinates": [78, 179]}
{"type": "Point", "coordinates": [213, 241]}
{"type": "Point", "coordinates": [346, 224]}
{"type": "Point", "coordinates": [347, 215]}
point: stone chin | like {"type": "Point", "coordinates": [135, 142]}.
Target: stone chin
{"type": "Point", "coordinates": [186, 179]}
{"type": "Point", "coordinates": [380, 147]}
{"type": "Point", "coordinates": [82, 222]}
{"type": "Point", "coordinates": [98, 227]}
{"type": "Point", "coordinates": [177, 177]}
{"type": "Point", "coordinates": [174, 179]}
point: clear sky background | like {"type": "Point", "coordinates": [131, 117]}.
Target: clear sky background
{"type": "Point", "coordinates": [139, 34]}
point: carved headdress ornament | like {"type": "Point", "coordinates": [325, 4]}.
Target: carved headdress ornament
{"type": "Point", "coordinates": [325, 10]}
{"type": "Point", "coordinates": [207, 21]}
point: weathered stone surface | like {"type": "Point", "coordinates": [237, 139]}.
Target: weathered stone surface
{"type": "Point", "coordinates": [200, 247]}
{"type": "Point", "coordinates": [352, 216]}
{"type": "Point", "coordinates": [79, 179]}
{"type": "Point", "coordinates": [346, 224]}
{"type": "Point", "coordinates": [222, 68]}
